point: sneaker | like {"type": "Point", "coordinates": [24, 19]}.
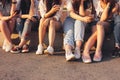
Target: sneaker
{"type": "Point", "coordinates": [25, 48]}
{"type": "Point", "coordinates": [16, 50]}
{"type": "Point", "coordinates": [69, 56]}
{"type": "Point", "coordinates": [49, 50]}
{"type": "Point", "coordinates": [40, 49]}
{"type": "Point", "coordinates": [8, 47]}
{"type": "Point", "coordinates": [77, 53]}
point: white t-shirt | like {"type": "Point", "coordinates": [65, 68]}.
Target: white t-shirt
{"type": "Point", "coordinates": [98, 7]}
{"type": "Point", "coordinates": [43, 10]}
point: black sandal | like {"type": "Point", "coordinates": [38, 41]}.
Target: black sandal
{"type": "Point", "coordinates": [116, 52]}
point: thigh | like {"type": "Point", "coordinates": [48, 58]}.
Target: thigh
{"type": "Point", "coordinates": [68, 25]}
{"type": "Point", "coordinates": [58, 25]}
{"type": "Point", "coordinates": [106, 25]}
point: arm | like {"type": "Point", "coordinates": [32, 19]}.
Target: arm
{"type": "Point", "coordinates": [31, 11]}
{"type": "Point", "coordinates": [81, 9]}
{"type": "Point", "coordinates": [105, 13]}
{"type": "Point", "coordinates": [25, 16]}
{"type": "Point", "coordinates": [13, 7]}
{"type": "Point", "coordinates": [6, 17]}
{"type": "Point", "coordinates": [53, 10]}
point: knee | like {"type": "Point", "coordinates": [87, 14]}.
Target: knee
{"type": "Point", "coordinates": [52, 23]}
{"type": "Point", "coordinates": [100, 25]}
{"type": "Point", "coordinates": [2, 23]}
{"type": "Point", "coordinates": [27, 21]}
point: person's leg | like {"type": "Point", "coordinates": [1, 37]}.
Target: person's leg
{"type": "Point", "coordinates": [42, 31]}
{"type": "Point", "coordinates": [11, 25]}
{"type": "Point", "coordinates": [53, 26]}
{"type": "Point", "coordinates": [7, 36]}
{"type": "Point", "coordinates": [19, 26]}
{"type": "Point", "coordinates": [117, 31]}
{"type": "Point", "coordinates": [79, 29]}
{"type": "Point", "coordinates": [117, 35]}
{"type": "Point", "coordinates": [24, 38]}
{"type": "Point", "coordinates": [68, 28]}
{"type": "Point", "coordinates": [101, 26]}
{"type": "Point", "coordinates": [91, 41]}
{"type": "Point", "coordinates": [26, 31]}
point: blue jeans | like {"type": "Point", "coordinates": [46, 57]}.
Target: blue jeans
{"type": "Point", "coordinates": [24, 29]}
{"type": "Point", "coordinates": [73, 30]}
{"type": "Point", "coordinates": [117, 29]}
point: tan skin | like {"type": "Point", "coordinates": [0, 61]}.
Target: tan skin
{"type": "Point", "coordinates": [28, 16]}
{"type": "Point", "coordinates": [51, 23]}
{"type": "Point", "coordinates": [7, 24]}
{"type": "Point", "coordinates": [86, 18]}
{"type": "Point", "coordinates": [98, 35]}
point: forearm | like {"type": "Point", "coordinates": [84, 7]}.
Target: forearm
{"type": "Point", "coordinates": [105, 13]}
{"type": "Point", "coordinates": [81, 9]}
{"type": "Point", "coordinates": [48, 14]}
{"type": "Point", "coordinates": [31, 11]}
{"type": "Point", "coordinates": [13, 7]}
{"type": "Point", "coordinates": [76, 16]}
{"type": "Point", "coordinates": [5, 17]}
{"type": "Point", "coordinates": [24, 16]}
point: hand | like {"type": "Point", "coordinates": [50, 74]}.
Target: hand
{"type": "Point", "coordinates": [87, 19]}
{"type": "Point", "coordinates": [55, 8]}
{"type": "Point", "coordinates": [14, 14]}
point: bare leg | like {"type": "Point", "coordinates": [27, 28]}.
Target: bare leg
{"type": "Point", "coordinates": [91, 41]}
{"type": "Point", "coordinates": [101, 26]}
{"type": "Point", "coordinates": [5, 31]}
{"type": "Point", "coordinates": [52, 28]}
{"type": "Point", "coordinates": [11, 24]}
{"type": "Point", "coordinates": [42, 29]}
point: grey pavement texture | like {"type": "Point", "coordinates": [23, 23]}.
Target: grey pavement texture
{"type": "Point", "coordinates": [43, 67]}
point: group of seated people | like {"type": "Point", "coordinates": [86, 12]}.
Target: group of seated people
{"type": "Point", "coordinates": [100, 16]}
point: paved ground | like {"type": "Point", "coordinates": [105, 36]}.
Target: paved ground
{"type": "Point", "coordinates": [33, 67]}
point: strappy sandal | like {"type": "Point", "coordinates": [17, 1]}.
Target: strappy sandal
{"type": "Point", "coordinates": [116, 52]}
{"type": "Point", "coordinates": [25, 48]}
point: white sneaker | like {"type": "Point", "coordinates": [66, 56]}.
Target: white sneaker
{"type": "Point", "coordinates": [4, 45]}
{"type": "Point", "coordinates": [49, 50]}
{"type": "Point", "coordinates": [69, 56]}
{"type": "Point", "coordinates": [77, 53]}
{"type": "Point", "coordinates": [8, 47]}
{"type": "Point", "coordinates": [39, 50]}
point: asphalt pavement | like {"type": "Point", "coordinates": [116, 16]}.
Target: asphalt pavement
{"type": "Point", "coordinates": [30, 66]}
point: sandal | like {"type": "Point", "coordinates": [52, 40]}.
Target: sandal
{"type": "Point", "coordinates": [25, 48]}
{"type": "Point", "coordinates": [86, 59]}
{"type": "Point", "coordinates": [115, 52]}
{"type": "Point", "coordinates": [16, 49]}
{"type": "Point", "coordinates": [97, 58]}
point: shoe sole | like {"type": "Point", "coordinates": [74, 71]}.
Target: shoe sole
{"type": "Point", "coordinates": [86, 61]}
{"type": "Point", "coordinates": [15, 52]}
{"type": "Point", "coordinates": [25, 51]}
{"type": "Point", "coordinates": [46, 52]}
{"type": "Point", "coordinates": [71, 59]}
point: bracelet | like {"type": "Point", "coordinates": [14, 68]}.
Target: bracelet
{"type": "Point", "coordinates": [14, 2]}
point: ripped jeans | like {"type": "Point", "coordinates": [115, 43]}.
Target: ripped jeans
{"type": "Point", "coordinates": [73, 30]}
{"type": "Point", "coordinates": [24, 29]}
